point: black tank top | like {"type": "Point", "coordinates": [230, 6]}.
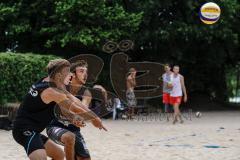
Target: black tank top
{"type": "Point", "coordinates": [81, 92]}
{"type": "Point", "coordinates": [33, 113]}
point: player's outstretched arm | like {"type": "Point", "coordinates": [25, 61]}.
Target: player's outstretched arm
{"type": "Point", "coordinates": [72, 104]}
{"type": "Point", "coordinates": [66, 101]}
{"type": "Point", "coordinates": [90, 115]}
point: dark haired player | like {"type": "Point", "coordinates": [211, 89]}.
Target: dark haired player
{"type": "Point", "coordinates": [177, 92]}
{"type": "Point", "coordinates": [130, 95]}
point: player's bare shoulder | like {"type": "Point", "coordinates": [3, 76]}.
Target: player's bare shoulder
{"type": "Point", "coordinates": [53, 95]}
{"type": "Point", "coordinates": [129, 78]}
{"type": "Point", "coordinates": [181, 76]}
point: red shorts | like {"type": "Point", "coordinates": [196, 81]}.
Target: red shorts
{"type": "Point", "coordinates": [175, 100]}
{"type": "Point", "coordinates": [166, 98]}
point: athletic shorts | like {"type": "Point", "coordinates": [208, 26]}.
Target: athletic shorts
{"type": "Point", "coordinates": [175, 100]}
{"type": "Point", "coordinates": [55, 134]}
{"type": "Point", "coordinates": [131, 99]}
{"type": "Point", "coordinates": [166, 98]}
{"type": "Point", "coordinates": [30, 140]}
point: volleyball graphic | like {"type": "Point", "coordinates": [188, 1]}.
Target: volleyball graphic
{"type": "Point", "coordinates": [198, 114]}
{"type": "Point", "coordinates": [210, 13]}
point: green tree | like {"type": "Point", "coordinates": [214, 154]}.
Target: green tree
{"type": "Point", "coordinates": [163, 31]}
{"type": "Point", "coordinates": [174, 33]}
{"type": "Point", "coordinates": [51, 24]}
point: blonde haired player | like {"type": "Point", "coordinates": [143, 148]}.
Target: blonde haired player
{"type": "Point", "coordinates": [167, 88]}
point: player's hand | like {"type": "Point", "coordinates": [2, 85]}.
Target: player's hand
{"type": "Point", "coordinates": [169, 85]}
{"type": "Point", "coordinates": [78, 122]}
{"type": "Point", "coordinates": [185, 99]}
{"type": "Point", "coordinates": [98, 124]}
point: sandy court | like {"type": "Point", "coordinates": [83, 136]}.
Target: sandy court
{"type": "Point", "coordinates": [155, 140]}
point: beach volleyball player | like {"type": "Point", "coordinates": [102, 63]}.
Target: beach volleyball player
{"type": "Point", "coordinates": [69, 135]}
{"type": "Point", "coordinates": [130, 95]}
{"type": "Point", "coordinates": [37, 110]}
{"type": "Point", "coordinates": [177, 92]}
{"type": "Point", "coordinates": [167, 88]}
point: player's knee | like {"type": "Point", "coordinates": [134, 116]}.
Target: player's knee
{"type": "Point", "coordinates": [59, 155]}
{"type": "Point", "coordinates": [38, 155]}
{"type": "Point", "coordinates": [68, 138]}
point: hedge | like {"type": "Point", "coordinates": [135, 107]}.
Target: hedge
{"type": "Point", "coordinates": [17, 73]}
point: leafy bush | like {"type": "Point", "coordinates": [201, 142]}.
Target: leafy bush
{"type": "Point", "coordinates": [18, 72]}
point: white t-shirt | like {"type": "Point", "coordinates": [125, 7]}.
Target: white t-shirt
{"type": "Point", "coordinates": [167, 78]}
{"type": "Point", "coordinates": [177, 87]}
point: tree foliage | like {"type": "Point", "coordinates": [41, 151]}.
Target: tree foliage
{"type": "Point", "coordinates": [163, 31]}
{"type": "Point", "coordinates": [51, 23]}
{"type": "Point", "coordinates": [174, 33]}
